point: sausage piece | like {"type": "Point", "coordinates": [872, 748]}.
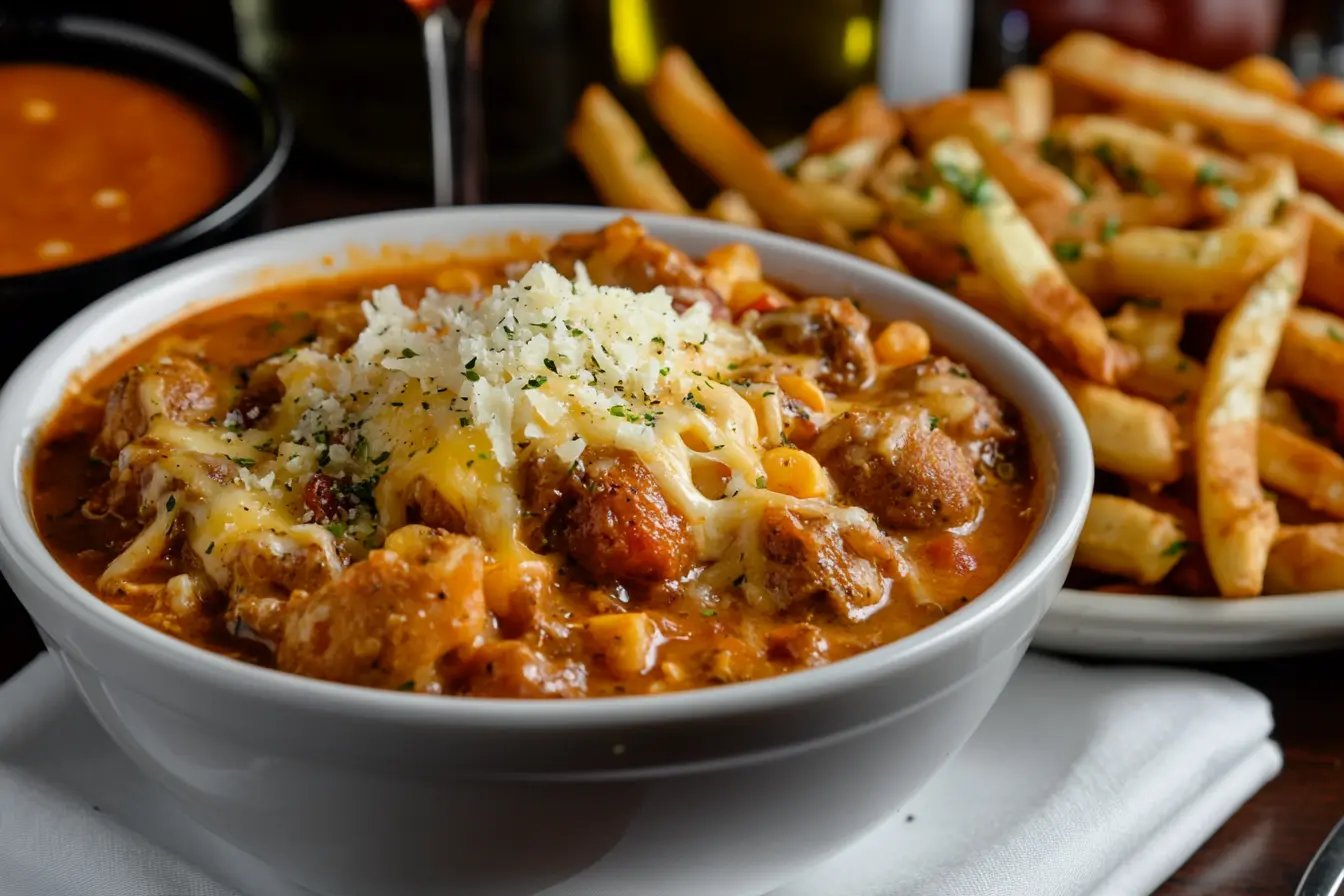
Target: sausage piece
{"type": "Point", "coordinates": [830, 329]}
{"type": "Point", "coordinates": [623, 254]}
{"type": "Point", "coordinates": [609, 514]}
{"type": "Point", "coordinates": [387, 621]}
{"type": "Point", "coordinates": [809, 559]}
{"type": "Point", "coordinates": [899, 467]}
{"type": "Point", "coordinates": [176, 388]}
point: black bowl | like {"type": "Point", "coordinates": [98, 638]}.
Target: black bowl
{"type": "Point", "coordinates": [241, 103]}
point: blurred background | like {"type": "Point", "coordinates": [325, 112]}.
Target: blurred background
{"type": "Point", "coordinates": [352, 71]}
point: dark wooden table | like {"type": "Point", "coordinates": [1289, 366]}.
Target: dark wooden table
{"type": "Point", "coordinates": [1261, 851]}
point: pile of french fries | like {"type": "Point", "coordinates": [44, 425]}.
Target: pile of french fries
{"type": "Point", "coordinates": [1146, 227]}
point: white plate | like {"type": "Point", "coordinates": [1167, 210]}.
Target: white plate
{"type": "Point", "coordinates": [1184, 628]}
{"type": "Point", "coordinates": [1130, 626]}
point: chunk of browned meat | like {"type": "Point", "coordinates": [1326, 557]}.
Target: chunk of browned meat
{"type": "Point", "coordinates": [609, 514]}
{"type": "Point", "coordinates": [265, 568]}
{"type": "Point", "coordinates": [387, 620]}
{"type": "Point", "coordinates": [966, 409]}
{"type": "Point", "coordinates": [830, 329]}
{"type": "Point", "coordinates": [513, 669]}
{"type": "Point", "coordinates": [623, 254]}
{"type": "Point", "coordinates": [811, 559]}
{"type": "Point", "coordinates": [262, 391]}
{"type": "Point", "coordinates": [898, 466]}
{"type": "Point", "coordinates": [429, 506]}
{"type": "Point", "coordinates": [176, 388]}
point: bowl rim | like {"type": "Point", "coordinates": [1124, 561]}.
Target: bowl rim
{"type": "Point", "coordinates": [1054, 419]}
{"type": "Point", "coordinates": [277, 138]}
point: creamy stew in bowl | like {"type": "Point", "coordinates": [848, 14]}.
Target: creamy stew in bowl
{"type": "Point", "coordinates": [596, 467]}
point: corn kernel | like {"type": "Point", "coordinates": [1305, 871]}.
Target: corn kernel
{"type": "Point", "coordinates": [901, 344]}
{"type": "Point", "coordinates": [790, 471]}
{"type": "Point", "coordinates": [803, 389]}
{"type": "Point", "coordinates": [628, 641]}
{"type": "Point", "coordinates": [729, 265]}
{"type": "Point", "coordinates": [458, 281]}
{"type": "Point", "coordinates": [755, 295]}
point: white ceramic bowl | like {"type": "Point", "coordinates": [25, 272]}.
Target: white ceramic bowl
{"type": "Point", "coordinates": [731, 790]}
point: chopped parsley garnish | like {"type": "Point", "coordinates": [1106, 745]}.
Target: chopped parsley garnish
{"type": "Point", "coordinates": [243, 461]}
{"type": "Point", "coordinates": [691, 400]}
{"type": "Point", "coordinates": [1176, 548]}
{"type": "Point", "coordinates": [337, 529]}
{"type": "Point", "coordinates": [172, 502]}
{"type": "Point", "coordinates": [471, 364]}
{"type": "Point", "coordinates": [1208, 175]}
{"type": "Point", "coordinates": [550, 365]}
{"type": "Point", "coordinates": [972, 187]}
{"type": "Point", "coordinates": [617, 410]}
{"type": "Point", "coordinates": [211, 549]}
{"type": "Point", "coordinates": [535, 383]}
{"type": "Point", "coordinates": [406, 686]}
{"type": "Point", "coordinates": [381, 458]}
{"type": "Point", "coordinates": [760, 482]}
{"type": "Point", "coordinates": [1109, 228]}
{"type": "Point", "coordinates": [464, 421]}
{"type": "Point", "coordinates": [933, 422]}
{"type": "Point", "coordinates": [1067, 250]}
{"type": "Point", "coordinates": [663, 371]}
{"type": "Point", "coordinates": [1228, 198]}
{"type": "Point", "coordinates": [1333, 333]}
{"type": "Point", "coordinates": [737, 582]}
{"type": "Point", "coordinates": [471, 375]}
{"type": "Point", "coordinates": [408, 353]}
{"type": "Point", "coordinates": [708, 613]}
{"type": "Point", "coordinates": [659, 340]}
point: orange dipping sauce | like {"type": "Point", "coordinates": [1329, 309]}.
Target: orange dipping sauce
{"type": "Point", "coordinates": [92, 163]}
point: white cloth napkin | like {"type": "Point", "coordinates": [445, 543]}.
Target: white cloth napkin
{"type": "Point", "coordinates": [1082, 782]}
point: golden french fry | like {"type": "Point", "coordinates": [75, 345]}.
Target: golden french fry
{"type": "Point", "coordinates": [863, 115]}
{"type": "Point", "coordinates": [1147, 160]}
{"type": "Point", "coordinates": [1165, 374]}
{"type": "Point", "coordinates": [1278, 407]}
{"type": "Point", "coordinates": [1101, 219]}
{"type": "Point", "coordinates": [732, 207]}
{"type": "Point", "coordinates": [1131, 437]}
{"type": "Point", "coordinates": [1311, 356]}
{"type": "Point", "coordinates": [1323, 96]}
{"type": "Point", "coordinates": [938, 263]}
{"type": "Point", "coordinates": [876, 249]}
{"type": "Point", "coordinates": [1003, 245]}
{"type": "Point", "coordinates": [699, 122]}
{"type": "Point", "coordinates": [1245, 120]}
{"type": "Point", "coordinates": [1265, 74]}
{"type": "Point", "coordinates": [849, 165]}
{"type": "Point", "coordinates": [1325, 254]}
{"type": "Point", "coordinates": [1129, 539]}
{"type": "Point", "coordinates": [1032, 100]}
{"type": "Point", "coordinates": [852, 210]}
{"type": "Point", "coordinates": [1297, 466]}
{"type": "Point", "coordinates": [608, 144]}
{"type": "Point", "coordinates": [1274, 185]}
{"type": "Point", "coordinates": [1208, 270]}
{"type": "Point", "coordinates": [930, 209]}
{"type": "Point", "coordinates": [1237, 520]}
{"type": "Point", "coordinates": [1306, 559]}
{"type": "Point", "coordinates": [931, 122]}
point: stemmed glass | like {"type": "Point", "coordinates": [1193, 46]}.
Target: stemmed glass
{"type": "Point", "coordinates": [452, 32]}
